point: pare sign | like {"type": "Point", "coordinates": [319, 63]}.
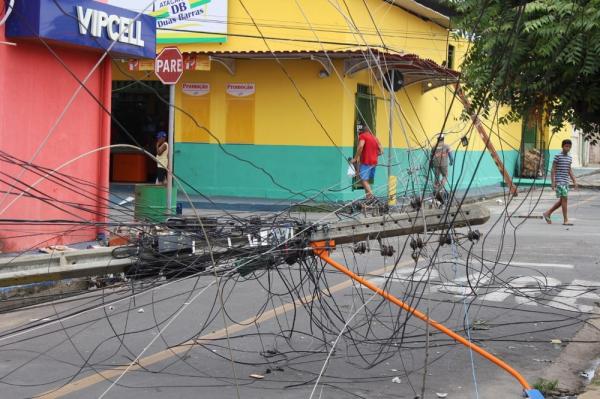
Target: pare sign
{"type": "Point", "coordinates": [168, 66]}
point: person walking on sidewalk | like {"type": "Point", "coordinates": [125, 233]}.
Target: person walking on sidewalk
{"type": "Point", "coordinates": [561, 172]}
{"type": "Point", "coordinates": [367, 152]}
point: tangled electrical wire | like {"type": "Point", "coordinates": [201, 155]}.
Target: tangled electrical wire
{"type": "Point", "coordinates": [238, 303]}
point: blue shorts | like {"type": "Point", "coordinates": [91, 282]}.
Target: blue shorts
{"type": "Point", "coordinates": [367, 172]}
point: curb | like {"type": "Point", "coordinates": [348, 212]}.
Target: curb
{"type": "Point", "coordinates": [591, 173]}
{"type": "Point", "coordinates": [589, 186]}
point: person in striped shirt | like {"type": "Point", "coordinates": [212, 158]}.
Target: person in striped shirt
{"type": "Point", "coordinates": [561, 173]}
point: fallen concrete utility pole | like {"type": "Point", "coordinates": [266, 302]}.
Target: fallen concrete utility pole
{"type": "Point", "coordinates": [99, 262]}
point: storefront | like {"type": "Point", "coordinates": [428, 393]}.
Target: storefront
{"type": "Point", "coordinates": [55, 88]}
{"type": "Point", "coordinates": [273, 91]}
{"type": "Point", "coordinates": [140, 102]}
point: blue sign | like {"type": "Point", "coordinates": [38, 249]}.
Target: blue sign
{"type": "Point", "coordinates": [85, 23]}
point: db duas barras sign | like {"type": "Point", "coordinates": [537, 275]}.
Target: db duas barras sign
{"type": "Point", "coordinates": [85, 23]}
{"type": "Point", "coordinates": [97, 23]}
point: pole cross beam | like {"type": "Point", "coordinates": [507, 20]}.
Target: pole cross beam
{"type": "Point", "coordinates": [401, 224]}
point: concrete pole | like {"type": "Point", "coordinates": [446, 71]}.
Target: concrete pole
{"type": "Point", "coordinates": [170, 149]}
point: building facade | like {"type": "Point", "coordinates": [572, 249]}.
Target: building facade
{"type": "Point", "coordinates": [271, 110]}
{"type": "Point", "coordinates": [55, 91]}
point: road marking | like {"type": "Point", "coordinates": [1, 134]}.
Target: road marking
{"type": "Point", "coordinates": [576, 290]}
{"type": "Point", "coordinates": [526, 264]}
{"type": "Point", "coordinates": [149, 360]}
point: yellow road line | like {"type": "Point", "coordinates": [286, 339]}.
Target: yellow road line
{"type": "Point", "coordinates": [147, 361]}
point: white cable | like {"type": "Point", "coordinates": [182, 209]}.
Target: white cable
{"type": "Point", "coordinates": [66, 108]}
{"type": "Point", "coordinates": [9, 9]}
{"type": "Point", "coordinates": [466, 310]}
{"type": "Point", "coordinates": [335, 343]}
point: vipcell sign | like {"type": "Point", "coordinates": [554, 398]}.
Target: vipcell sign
{"type": "Point", "coordinates": [85, 23]}
{"type": "Point", "coordinates": [99, 23]}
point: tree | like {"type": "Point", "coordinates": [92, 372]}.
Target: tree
{"type": "Point", "coordinates": [542, 55]}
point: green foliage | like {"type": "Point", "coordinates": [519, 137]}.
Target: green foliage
{"type": "Point", "coordinates": [541, 53]}
{"type": "Point", "coordinates": [545, 386]}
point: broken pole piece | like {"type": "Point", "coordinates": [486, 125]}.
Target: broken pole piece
{"type": "Point", "coordinates": [321, 249]}
{"type": "Point", "coordinates": [486, 139]}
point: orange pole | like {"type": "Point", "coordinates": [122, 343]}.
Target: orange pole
{"type": "Point", "coordinates": [321, 249]}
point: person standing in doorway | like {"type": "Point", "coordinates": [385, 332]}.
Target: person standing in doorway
{"type": "Point", "coordinates": [162, 157]}
{"type": "Point", "coordinates": [368, 151]}
{"type": "Point", "coordinates": [561, 172]}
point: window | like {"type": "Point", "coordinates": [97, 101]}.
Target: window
{"type": "Point", "coordinates": [196, 103]}
{"type": "Point", "coordinates": [450, 59]}
{"type": "Point", "coordinates": [240, 103]}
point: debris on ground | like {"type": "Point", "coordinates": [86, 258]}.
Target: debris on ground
{"type": "Point", "coordinates": [396, 380]}
{"type": "Point", "coordinates": [56, 248]}
{"type": "Point", "coordinates": [480, 325]}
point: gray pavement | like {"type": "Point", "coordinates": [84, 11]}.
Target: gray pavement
{"type": "Point", "coordinates": [590, 180]}
{"type": "Point", "coordinates": [534, 283]}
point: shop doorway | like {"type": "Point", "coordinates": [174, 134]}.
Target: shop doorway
{"type": "Point", "coordinates": [533, 151]}
{"type": "Point", "coordinates": [142, 108]}
{"type": "Point", "coordinates": [365, 115]}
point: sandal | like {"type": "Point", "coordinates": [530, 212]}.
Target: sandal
{"type": "Point", "coordinates": [547, 218]}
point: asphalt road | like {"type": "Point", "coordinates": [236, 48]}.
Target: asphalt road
{"type": "Point", "coordinates": [533, 283]}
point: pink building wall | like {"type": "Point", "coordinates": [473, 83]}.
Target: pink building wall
{"type": "Point", "coordinates": [34, 90]}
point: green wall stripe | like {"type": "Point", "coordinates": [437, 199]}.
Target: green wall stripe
{"type": "Point", "coordinates": [311, 169]}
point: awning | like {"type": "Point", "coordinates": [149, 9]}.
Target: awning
{"type": "Point", "coordinates": [415, 69]}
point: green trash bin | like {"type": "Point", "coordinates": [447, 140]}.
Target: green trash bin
{"type": "Point", "coordinates": [151, 202]}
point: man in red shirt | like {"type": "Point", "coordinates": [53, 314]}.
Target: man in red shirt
{"type": "Point", "coordinates": [367, 152]}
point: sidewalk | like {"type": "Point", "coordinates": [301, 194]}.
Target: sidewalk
{"type": "Point", "coordinates": [119, 192]}
{"type": "Point", "coordinates": [588, 177]}
{"type": "Point", "coordinates": [593, 392]}
{"type": "Point", "coordinates": [586, 170]}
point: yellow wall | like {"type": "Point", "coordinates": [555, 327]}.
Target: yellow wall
{"type": "Point", "coordinates": [282, 116]}
{"type": "Point", "coordinates": [423, 114]}
{"type": "Point", "coordinates": [315, 25]}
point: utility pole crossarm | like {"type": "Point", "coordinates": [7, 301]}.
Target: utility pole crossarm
{"type": "Point", "coordinates": [401, 224]}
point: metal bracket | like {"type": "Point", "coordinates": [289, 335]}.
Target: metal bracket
{"type": "Point", "coordinates": [353, 65]}
{"type": "Point", "coordinates": [324, 61]}
{"type": "Point", "coordinates": [228, 63]}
